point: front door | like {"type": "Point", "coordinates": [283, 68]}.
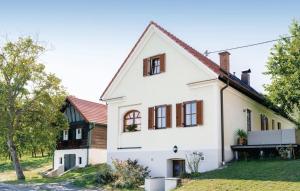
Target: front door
{"type": "Point", "coordinates": [178, 167]}
{"type": "Point", "coordinates": [70, 161]}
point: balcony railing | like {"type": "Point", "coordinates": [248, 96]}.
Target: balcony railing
{"type": "Point", "coordinates": [72, 144]}
{"type": "Point", "coordinates": [274, 137]}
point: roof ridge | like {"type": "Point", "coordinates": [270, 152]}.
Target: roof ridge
{"type": "Point", "coordinates": [187, 47]}
{"type": "Point", "coordinates": [71, 96]}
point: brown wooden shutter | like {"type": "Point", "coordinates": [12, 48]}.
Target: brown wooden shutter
{"type": "Point", "coordinates": [151, 118]}
{"type": "Point", "coordinates": [267, 123]}
{"type": "Point", "coordinates": [199, 111]}
{"type": "Point", "coordinates": [169, 116]}
{"type": "Point", "coordinates": [162, 61]}
{"type": "Point", "coordinates": [145, 67]}
{"type": "Point", "coordinates": [179, 122]}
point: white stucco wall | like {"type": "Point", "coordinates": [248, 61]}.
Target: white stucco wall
{"type": "Point", "coordinates": [170, 87]}
{"type": "Point", "coordinates": [185, 79]}
{"type": "Point", "coordinates": [79, 153]}
{"type": "Point", "coordinates": [97, 156]}
{"type": "Point", "coordinates": [235, 105]}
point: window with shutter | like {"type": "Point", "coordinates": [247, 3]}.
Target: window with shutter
{"type": "Point", "coordinates": [151, 118]}
{"type": "Point", "coordinates": [266, 123]}
{"type": "Point", "coordinates": [154, 65]}
{"type": "Point", "coordinates": [199, 112]}
{"type": "Point", "coordinates": [78, 133]}
{"type": "Point", "coordinates": [262, 127]}
{"type": "Point", "coordinates": [190, 114]}
{"type": "Point", "coordinates": [160, 117]}
{"type": "Point", "coordinates": [179, 115]}
{"type": "Point", "coordinates": [145, 67]}
{"type": "Point", "coordinates": [169, 116]}
{"type": "Point", "coordinates": [278, 125]}
{"type": "Point", "coordinates": [65, 135]}
{"type": "Point", "coordinates": [249, 124]}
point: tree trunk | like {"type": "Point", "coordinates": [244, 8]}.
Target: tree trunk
{"type": "Point", "coordinates": [16, 162]}
{"type": "Point", "coordinates": [42, 151]}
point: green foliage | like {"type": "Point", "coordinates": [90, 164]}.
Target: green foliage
{"type": "Point", "coordinates": [30, 100]}
{"type": "Point", "coordinates": [105, 175]}
{"type": "Point", "coordinates": [241, 133]}
{"type": "Point", "coordinates": [129, 174]}
{"type": "Point", "coordinates": [132, 128]}
{"type": "Point", "coordinates": [283, 67]}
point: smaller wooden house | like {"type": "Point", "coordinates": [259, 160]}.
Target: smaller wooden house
{"type": "Point", "coordinates": [85, 141]}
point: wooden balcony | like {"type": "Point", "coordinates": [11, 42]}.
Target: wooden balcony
{"type": "Point", "coordinates": [72, 144]}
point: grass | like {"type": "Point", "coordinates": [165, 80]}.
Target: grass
{"type": "Point", "coordinates": [264, 175]}
{"type": "Point", "coordinates": [32, 168]}
{"type": "Point", "coordinates": [270, 175]}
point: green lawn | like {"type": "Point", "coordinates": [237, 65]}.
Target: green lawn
{"type": "Point", "coordinates": [33, 167]}
{"type": "Point", "coordinates": [265, 175]}
{"type": "Point", "coordinates": [273, 175]}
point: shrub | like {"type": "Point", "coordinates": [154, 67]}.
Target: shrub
{"type": "Point", "coordinates": [129, 174]}
{"type": "Point", "coordinates": [193, 161]}
{"type": "Point", "coordinates": [105, 175]}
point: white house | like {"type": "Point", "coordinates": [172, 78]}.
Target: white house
{"type": "Point", "coordinates": [84, 142]}
{"type": "Point", "coordinates": [168, 100]}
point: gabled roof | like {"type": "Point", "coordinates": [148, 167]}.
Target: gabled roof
{"type": "Point", "coordinates": [213, 66]}
{"type": "Point", "coordinates": [91, 112]}
{"type": "Point", "coordinates": [223, 76]}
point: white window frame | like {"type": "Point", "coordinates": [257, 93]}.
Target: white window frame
{"type": "Point", "coordinates": [66, 135]}
{"type": "Point", "coordinates": [79, 133]}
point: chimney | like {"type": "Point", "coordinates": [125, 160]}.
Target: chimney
{"type": "Point", "coordinates": [246, 77]}
{"type": "Point", "coordinates": [224, 61]}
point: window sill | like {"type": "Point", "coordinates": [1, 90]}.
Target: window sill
{"type": "Point", "coordinates": [162, 128]}
{"type": "Point", "coordinates": [129, 132]}
{"type": "Point", "coordinates": [154, 75]}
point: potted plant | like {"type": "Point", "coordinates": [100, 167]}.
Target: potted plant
{"type": "Point", "coordinates": [132, 128]}
{"type": "Point", "coordinates": [242, 136]}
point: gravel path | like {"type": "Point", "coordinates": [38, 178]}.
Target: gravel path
{"type": "Point", "coordinates": [63, 186]}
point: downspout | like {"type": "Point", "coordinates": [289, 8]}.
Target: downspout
{"type": "Point", "coordinates": [222, 119]}
{"type": "Point", "coordinates": [91, 126]}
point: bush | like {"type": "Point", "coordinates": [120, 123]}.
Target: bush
{"type": "Point", "coordinates": [129, 174]}
{"type": "Point", "coordinates": [105, 175]}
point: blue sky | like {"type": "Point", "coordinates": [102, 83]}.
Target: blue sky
{"type": "Point", "coordinates": [88, 40]}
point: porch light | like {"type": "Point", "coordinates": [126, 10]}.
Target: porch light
{"type": "Point", "coordinates": [175, 149]}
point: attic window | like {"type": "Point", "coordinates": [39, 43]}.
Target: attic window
{"type": "Point", "coordinates": [154, 65]}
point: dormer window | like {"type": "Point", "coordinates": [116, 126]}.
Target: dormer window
{"type": "Point", "coordinates": [154, 65]}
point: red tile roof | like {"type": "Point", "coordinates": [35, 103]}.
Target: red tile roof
{"type": "Point", "coordinates": [92, 112]}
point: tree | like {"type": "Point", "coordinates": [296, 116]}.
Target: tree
{"type": "Point", "coordinates": [284, 68]}
{"type": "Point", "coordinates": [27, 96]}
